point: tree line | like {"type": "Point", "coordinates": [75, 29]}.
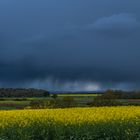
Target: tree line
{"type": "Point", "coordinates": [22, 92]}
{"type": "Point", "coordinates": [119, 94]}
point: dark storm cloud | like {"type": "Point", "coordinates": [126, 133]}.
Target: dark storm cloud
{"type": "Point", "coordinates": [70, 45]}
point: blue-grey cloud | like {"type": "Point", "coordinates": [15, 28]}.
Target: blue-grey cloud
{"type": "Point", "coordinates": [70, 44]}
{"type": "Point", "coordinates": [118, 24]}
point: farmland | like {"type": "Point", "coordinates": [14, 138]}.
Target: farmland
{"type": "Point", "coordinates": [82, 100]}
{"type": "Point", "coordinates": [96, 123]}
{"type": "Point", "coordinates": [78, 95]}
{"type": "Point", "coordinates": [70, 117]}
{"type": "Point", "coordinates": [21, 103]}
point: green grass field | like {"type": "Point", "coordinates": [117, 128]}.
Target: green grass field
{"type": "Point", "coordinates": [13, 103]}
{"type": "Point", "coordinates": [81, 99]}
{"type": "Point", "coordinates": [78, 95]}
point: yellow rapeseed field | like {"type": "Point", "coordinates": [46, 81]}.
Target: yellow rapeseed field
{"type": "Point", "coordinates": [94, 123]}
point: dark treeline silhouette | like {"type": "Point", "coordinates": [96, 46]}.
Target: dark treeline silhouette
{"type": "Point", "coordinates": [31, 92]}
{"type": "Point", "coordinates": [22, 92]}
{"type": "Point", "coordinates": [119, 94]}
{"type": "Point", "coordinates": [113, 98]}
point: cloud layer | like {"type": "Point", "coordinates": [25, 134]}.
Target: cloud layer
{"type": "Point", "coordinates": [116, 24]}
{"type": "Point", "coordinates": [75, 45]}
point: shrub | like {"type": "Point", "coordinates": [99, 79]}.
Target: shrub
{"type": "Point", "coordinates": [65, 102]}
{"type": "Point", "coordinates": [46, 94]}
{"type": "Point", "coordinates": [20, 99]}
{"type": "Point", "coordinates": [2, 99]}
{"type": "Point", "coordinates": [104, 102]}
{"type": "Point", "coordinates": [37, 104]}
{"type": "Point", "coordinates": [68, 102]}
{"type": "Point", "coordinates": [42, 104]}
{"type": "Point", "coordinates": [54, 96]}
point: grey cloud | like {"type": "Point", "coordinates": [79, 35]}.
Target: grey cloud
{"type": "Point", "coordinates": [121, 24]}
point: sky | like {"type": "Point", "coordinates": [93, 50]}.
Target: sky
{"type": "Point", "coordinates": [70, 45]}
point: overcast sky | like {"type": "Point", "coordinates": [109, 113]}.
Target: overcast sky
{"type": "Point", "coordinates": [70, 44]}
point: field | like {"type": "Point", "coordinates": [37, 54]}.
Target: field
{"type": "Point", "coordinates": [82, 122]}
{"type": "Point", "coordinates": [78, 95]}
{"type": "Point", "coordinates": [81, 99]}
{"type": "Point", "coordinates": [103, 123]}
{"type": "Point", "coordinates": [21, 103]}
